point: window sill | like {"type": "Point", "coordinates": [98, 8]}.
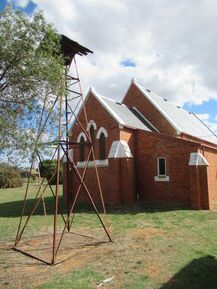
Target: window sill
{"type": "Point", "coordinates": [99, 163]}
{"type": "Point", "coordinates": [162, 178]}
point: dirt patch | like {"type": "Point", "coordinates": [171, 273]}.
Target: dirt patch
{"type": "Point", "coordinates": [145, 233]}
{"type": "Point", "coordinates": [19, 271]}
{"type": "Point", "coordinates": [132, 253]}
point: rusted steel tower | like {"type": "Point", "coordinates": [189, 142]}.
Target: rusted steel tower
{"type": "Point", "coordinates": [66, 103]}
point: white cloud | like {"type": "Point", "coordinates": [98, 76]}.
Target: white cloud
{"type": "Point", "coordinates": [203, 116]}
{"type": "Point", "coordinates": [211, 123]}
{"type": "Point", "coordinates": [173, 44]}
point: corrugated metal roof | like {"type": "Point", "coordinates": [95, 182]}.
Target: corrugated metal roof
{"type": "Point", "coordinates": [121, 112]}
{"type": "Point", "coordinates": [182, 120]}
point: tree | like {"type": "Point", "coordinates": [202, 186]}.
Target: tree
{"type": "Point", "coordinates": [30, 74]}
{"type": "Point", "coordinates": [9, 177]}
{"type": "Point", "coordinates": [48, 170]}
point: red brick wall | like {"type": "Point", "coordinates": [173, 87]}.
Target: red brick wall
{"type": "Point", "coordinates": [129, 178]}
{"type": "Point", "coordinates": [195, 139]}
{"type": "Point", "coordinates": [109, 180]}
{"type": "Point", "coordinates": [97, 113]}
{"type": "Point", "coordinates": [211, 157]}
{"type": "Point", "coordinates": [134, 97]}
{"type": "Point", "coordinates": [123, 178]}
{"type": "Point", "coordinates": [177, 153]}
{"type": "Point", "coordinates": [199, 187]}
{"type": "Point", "coordinates": [117, 180]}
{"type": "Point", "coordinates": [128, 136]}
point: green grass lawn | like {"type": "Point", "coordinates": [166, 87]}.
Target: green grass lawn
{"type": "Point", "coordinates": [156, 247]}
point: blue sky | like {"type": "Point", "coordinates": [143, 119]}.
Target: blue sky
{"type": "Point", "coordinates": [144, 40]}
{"type": "Point", "coordinates": [209, 107]}
{"type": "Point", "coordinates": [29, 9]}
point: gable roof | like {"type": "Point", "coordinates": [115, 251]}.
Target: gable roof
{"type": "Point", "coordinates": [182, 120]}
{"type": "Point", "coordinates": [120, 112]}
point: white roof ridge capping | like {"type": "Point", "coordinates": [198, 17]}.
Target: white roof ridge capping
{"type": "Point", "coordinates": [119, 112]}
{"type": "Point", "coordinates": [106, 106]}
{"type": "Point", "coordinates": [145, 93]}
{"type": "Point", "coordinates": [114, 101]}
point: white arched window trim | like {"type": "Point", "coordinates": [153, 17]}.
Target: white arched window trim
{"type": "Point", "coordinates": [91, 123]}
{"type": "Point", "coordinates": [80, 135]}
{"type": "Point", "coordinates": [101, 130]}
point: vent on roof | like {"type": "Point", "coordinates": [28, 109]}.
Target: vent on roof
{"type": "Point", "coordinates": [118, 103]}
{"type": "Point", "coordinates": [148, 90]}
{"type": "Point", "coordinates": [178, 106]}
{"type": "Point", "coordinates": [165, 99]}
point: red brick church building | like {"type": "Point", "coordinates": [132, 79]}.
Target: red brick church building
{"type": "Point", "coordinates": [146, 149]}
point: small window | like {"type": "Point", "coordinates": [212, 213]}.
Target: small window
{"type": "Point", "coordinates": [161, 166]}
{"type": "Point", "coordinates": [92, 131]}
{"type": "Point", "coordinates": [92, 134]}
{"type": "Point", "coordinates": [102, 152]}
{"type": "Point", "coordinates": [82, 149]}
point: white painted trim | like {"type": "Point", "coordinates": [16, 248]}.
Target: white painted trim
{"type": "Point", "coordinates": [80, 107]}
{"type": "Point", "coordinates": [119, 149]}
{"type": "Point", "coordinates": [133, 80]}
{"type": "Point", "coordinates": [146, 94]}
{"type": "Point", "coordinates": [107, 107]}
{"type": "Point", "coordinates": [197, 159]}
{"type": "Point", "coordinates": [70, 154]}
{"type": "Point", "coordinates": [64, 159]}
{"type": "Point", "coordinates": [158, 168]}
{"type": "Point", "coordinates": [101, 130]}
{"type": "Point", "coordinates": [162, 179]}
{"type": "Point", "coordinates": [99, 163]}
{"type": "Point", "coordinates": [80, 135]}
{"type": "Point", "coordinates": [103, 103]}
{"type": "Point", "coordinates": [91, 123]}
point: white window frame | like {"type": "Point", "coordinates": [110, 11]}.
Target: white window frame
{"type": "Point", "coordinates": [91, 123]}
{"type": "Point", "coordinates": [101, 130]}
{"type": "Point", "coordinates": [80, 135]}
{"type": "Point", "coordinates": [159, 177]}
{"type": "Point", "coordinates": [158, 166]}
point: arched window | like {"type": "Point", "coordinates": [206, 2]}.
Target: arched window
{"type": "Point", "coordinates": [91, 123]}
{"type": "Point", "coordinates": [92, 139]}
{"type": "Point", "coordinates": [82, 134]}
{"type": "Point", "coordinates": [92, 133]}
{"type": "Point", "coordinates": [82, 149]}
{"type": "Point", "coordinates": [102, 151]}
{"type": "Point", "coordinates": [102, 129]}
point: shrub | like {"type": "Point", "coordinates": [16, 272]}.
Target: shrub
{"type": "Point", "coordinates": [10, 177]}
{"type": "Point", "coordinates": [47, 167]}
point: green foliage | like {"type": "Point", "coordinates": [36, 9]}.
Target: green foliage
{"type": "Point", "coordinates": [30, 74]}
{"type": "Point", "coordinates": [10, 177]}
{"type": "Point", "coordinates": [48, 168]}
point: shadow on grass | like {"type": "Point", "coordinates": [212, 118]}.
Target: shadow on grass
{"type": "Point", "coordinates": [13, 209]}
{"type": "Point", "coordinates": [201, 273]}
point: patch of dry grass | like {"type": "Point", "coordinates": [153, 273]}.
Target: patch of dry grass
{"type": "Point", "coordinates": [153, 247]}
